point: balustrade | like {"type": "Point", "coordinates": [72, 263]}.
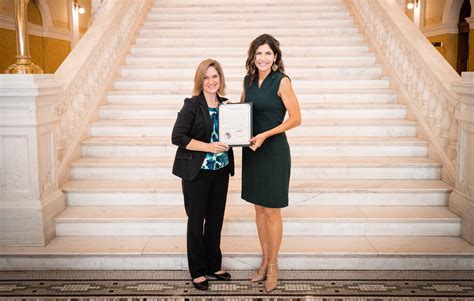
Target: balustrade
{"type": "Point", "coordinates": [88, 69]}
{"type": "Point", "coordinates": [425, 78]}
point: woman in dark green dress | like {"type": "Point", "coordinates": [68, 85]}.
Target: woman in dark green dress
{"type": "Point", "coordinates": [266, 164]}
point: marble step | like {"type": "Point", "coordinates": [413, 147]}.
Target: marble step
{"type": "Point", "coordinates": [293, 21]}
{"type": "Point", "coordinates": [335, 10]}
{"type": "Point", "coordinates": [133, 111]}
{"type": "Point", "coordinates": [147, 41]}
{"type": "Point", "coordinates": [127, 83]}
{"type": "Point", "coordinates": [215, 52]}
{"type": "Point", "coordinates": [113, 146]}
{"type": "Point", "coordinates": [157, 61]}
{"type": "Point", "coordinates": [324, 11]}
{"type": "Point", "coordinates": [302, 193]}
{"type": "Point", "coordinates": [360, 96]}
{"type": "Point", "coordinates": [279, 15]}
{"type": "Point", "coordinates": [303, 168]}
{"type": "Point", "coordinates": [233, 3]}
{"type": "Point", "coordinates": [243, 253]}
{"type": "Point", "coordinates": [240, 221]}
{"type": "Point", "coordinates": [233, 73]}
{"type": "Point", "coordinates": [319, 127]}
{"type": "Point", "coordinates": [251, 33]}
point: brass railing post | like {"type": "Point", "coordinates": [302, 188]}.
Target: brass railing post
{"type": "Point", "coordinates": [23, 64]}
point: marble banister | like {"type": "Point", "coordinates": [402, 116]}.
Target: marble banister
{"type": "Point", "coordinates": [422, 74]}
{"type": "Point", "coordinates": [42, 120]}
{"type": "Point", "coordinates": [461, 200]}
{"type": "Point", "coordinates": [87, 72]}
{"type": "Point", "coordinates": [30, 197]}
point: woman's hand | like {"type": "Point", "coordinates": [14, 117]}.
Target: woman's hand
{"type": "Point", "coordinates": [217, 147]}
{"type": "Point", "coordinates": [257, 141]}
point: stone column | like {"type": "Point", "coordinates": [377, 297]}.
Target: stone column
{"type": "Point", "coordinates": [74, 23]}
{"type": "Point", "coordinates": [461, 200]}
{"type": "Point", "coordinates": [30, 197]}
{"type": "Point", "coordinates": [470, 20]}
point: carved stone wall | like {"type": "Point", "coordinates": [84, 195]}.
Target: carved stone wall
{"type": "Point", "coordinates": [462, 199]}
{"type": "Point", "coordinates": [29, 197]}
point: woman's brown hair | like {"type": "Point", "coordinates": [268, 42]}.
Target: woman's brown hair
{"type": "Point", "coordinates": [259, 41]}
{"type": "Point", "coordinates": [201, 72]}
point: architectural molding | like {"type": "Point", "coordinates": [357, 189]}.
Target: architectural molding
{"type": "Point", "coordinates": [462, 199]}
{"type": "Point", "coordinates": [470, 20]}
{"type": "Point", "coordinates": [7, 22]}
{"type": "Point", "coordinates": [440, 29]}
{"type": "Point", "coordinates": [45, 13]}
{"type": "Point", "coordinates": [451, 12]}
{"type": "Point", "coordinates": [30, 196]}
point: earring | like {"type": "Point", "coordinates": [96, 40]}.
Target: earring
{"type": "Point", "coordinates": [274, 67]}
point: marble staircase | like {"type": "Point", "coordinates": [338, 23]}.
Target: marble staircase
{"type": "Point", "coordinates": [364, 192]}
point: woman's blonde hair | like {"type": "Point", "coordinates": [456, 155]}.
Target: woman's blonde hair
{"type": "Point", "coordinates": [201, 72]}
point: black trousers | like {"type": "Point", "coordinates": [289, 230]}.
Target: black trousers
{"type": "Point", "coordinates": [204, 201]}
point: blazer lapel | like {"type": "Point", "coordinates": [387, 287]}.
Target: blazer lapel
{"type": "Point", "coordinates": [205, 115]}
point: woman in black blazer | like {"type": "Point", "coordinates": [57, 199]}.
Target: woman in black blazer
{"type": "Point", "coordinates": [204, 165]}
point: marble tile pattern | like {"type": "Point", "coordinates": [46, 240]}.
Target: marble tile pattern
{"type": "Point", "coordinates": [302, 285]}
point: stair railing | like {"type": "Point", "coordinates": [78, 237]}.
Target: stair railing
{"type": "Point", "coordinates": [87, 72]}
{"type": "Point", "coordinates": [422, 74]}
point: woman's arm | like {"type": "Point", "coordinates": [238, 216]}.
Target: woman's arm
{"type": "Point", "coordinates": [242, 96]}
{"type": "Point", "coordinates": [182, 128]}
{"type": "Point", "coordinates": [290, 102]}
{"type": "Point", "coordinates": [214, 147]}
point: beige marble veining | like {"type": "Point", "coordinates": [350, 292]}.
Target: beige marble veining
{"type": "Point", "coordinates": [295, 185]}
{"type": "Point", "coordinates": [422, 245]}
{"type": "Point", "coordinates": [408, 213]}
{"type": "Point", "coordinates": [83, 246]}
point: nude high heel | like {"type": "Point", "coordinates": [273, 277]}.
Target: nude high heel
{"type": "Point", "coordinates": [271, 281]}
{"type": "Point", "coordinates": [260, 274]}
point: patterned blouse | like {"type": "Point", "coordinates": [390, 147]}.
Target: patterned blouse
{"type": "Point", "coordinates": [214, 161]}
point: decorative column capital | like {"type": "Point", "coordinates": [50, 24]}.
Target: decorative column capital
{"type": "Point", "coordinates": [470, 20]}
{"type": "Point", "coordinates": [465, 90]}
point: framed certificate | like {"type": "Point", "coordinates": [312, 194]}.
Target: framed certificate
{"type": "Point", "coordinates": [235, 123]}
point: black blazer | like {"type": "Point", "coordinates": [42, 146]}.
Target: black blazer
{"type": "Point", "coordinates": [193, 122]}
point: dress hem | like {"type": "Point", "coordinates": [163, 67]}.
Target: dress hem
{"type": "Point", "coordinates": [266, 206]}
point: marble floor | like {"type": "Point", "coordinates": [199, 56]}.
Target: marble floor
{"type": "Point", "coordinates": [293, 285]}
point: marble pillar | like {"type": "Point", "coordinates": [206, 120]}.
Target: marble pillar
{"type": "Point", "coordinates": [470, 20]}
{"type": "Point", "coordinates": [461, 200]}
{"type": "Point", "coordinates": [30, 197]}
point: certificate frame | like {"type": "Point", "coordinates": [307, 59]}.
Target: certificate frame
{"type": "Point", "coordinates": [236, 123]}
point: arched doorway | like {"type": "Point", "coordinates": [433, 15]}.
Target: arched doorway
{"type": "Point", "coordinates": [463, 37]}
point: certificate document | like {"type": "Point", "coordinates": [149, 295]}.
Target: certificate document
{"type": "Point", "coordinates": [235, 123]}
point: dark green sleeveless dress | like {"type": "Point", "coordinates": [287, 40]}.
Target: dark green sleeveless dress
{"type": "Point", "coordinates": [266, 172]}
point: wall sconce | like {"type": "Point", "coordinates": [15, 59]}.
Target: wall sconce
{"type": "Point", "coordinates": [412, 4]}
{"type": "Point", "coordinates": [81, 10]}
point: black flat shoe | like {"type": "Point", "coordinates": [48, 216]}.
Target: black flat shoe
{"type": "Point", "coordinates": [223, 277]}
{"type": "Point", "coordinates": [202, 286]}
